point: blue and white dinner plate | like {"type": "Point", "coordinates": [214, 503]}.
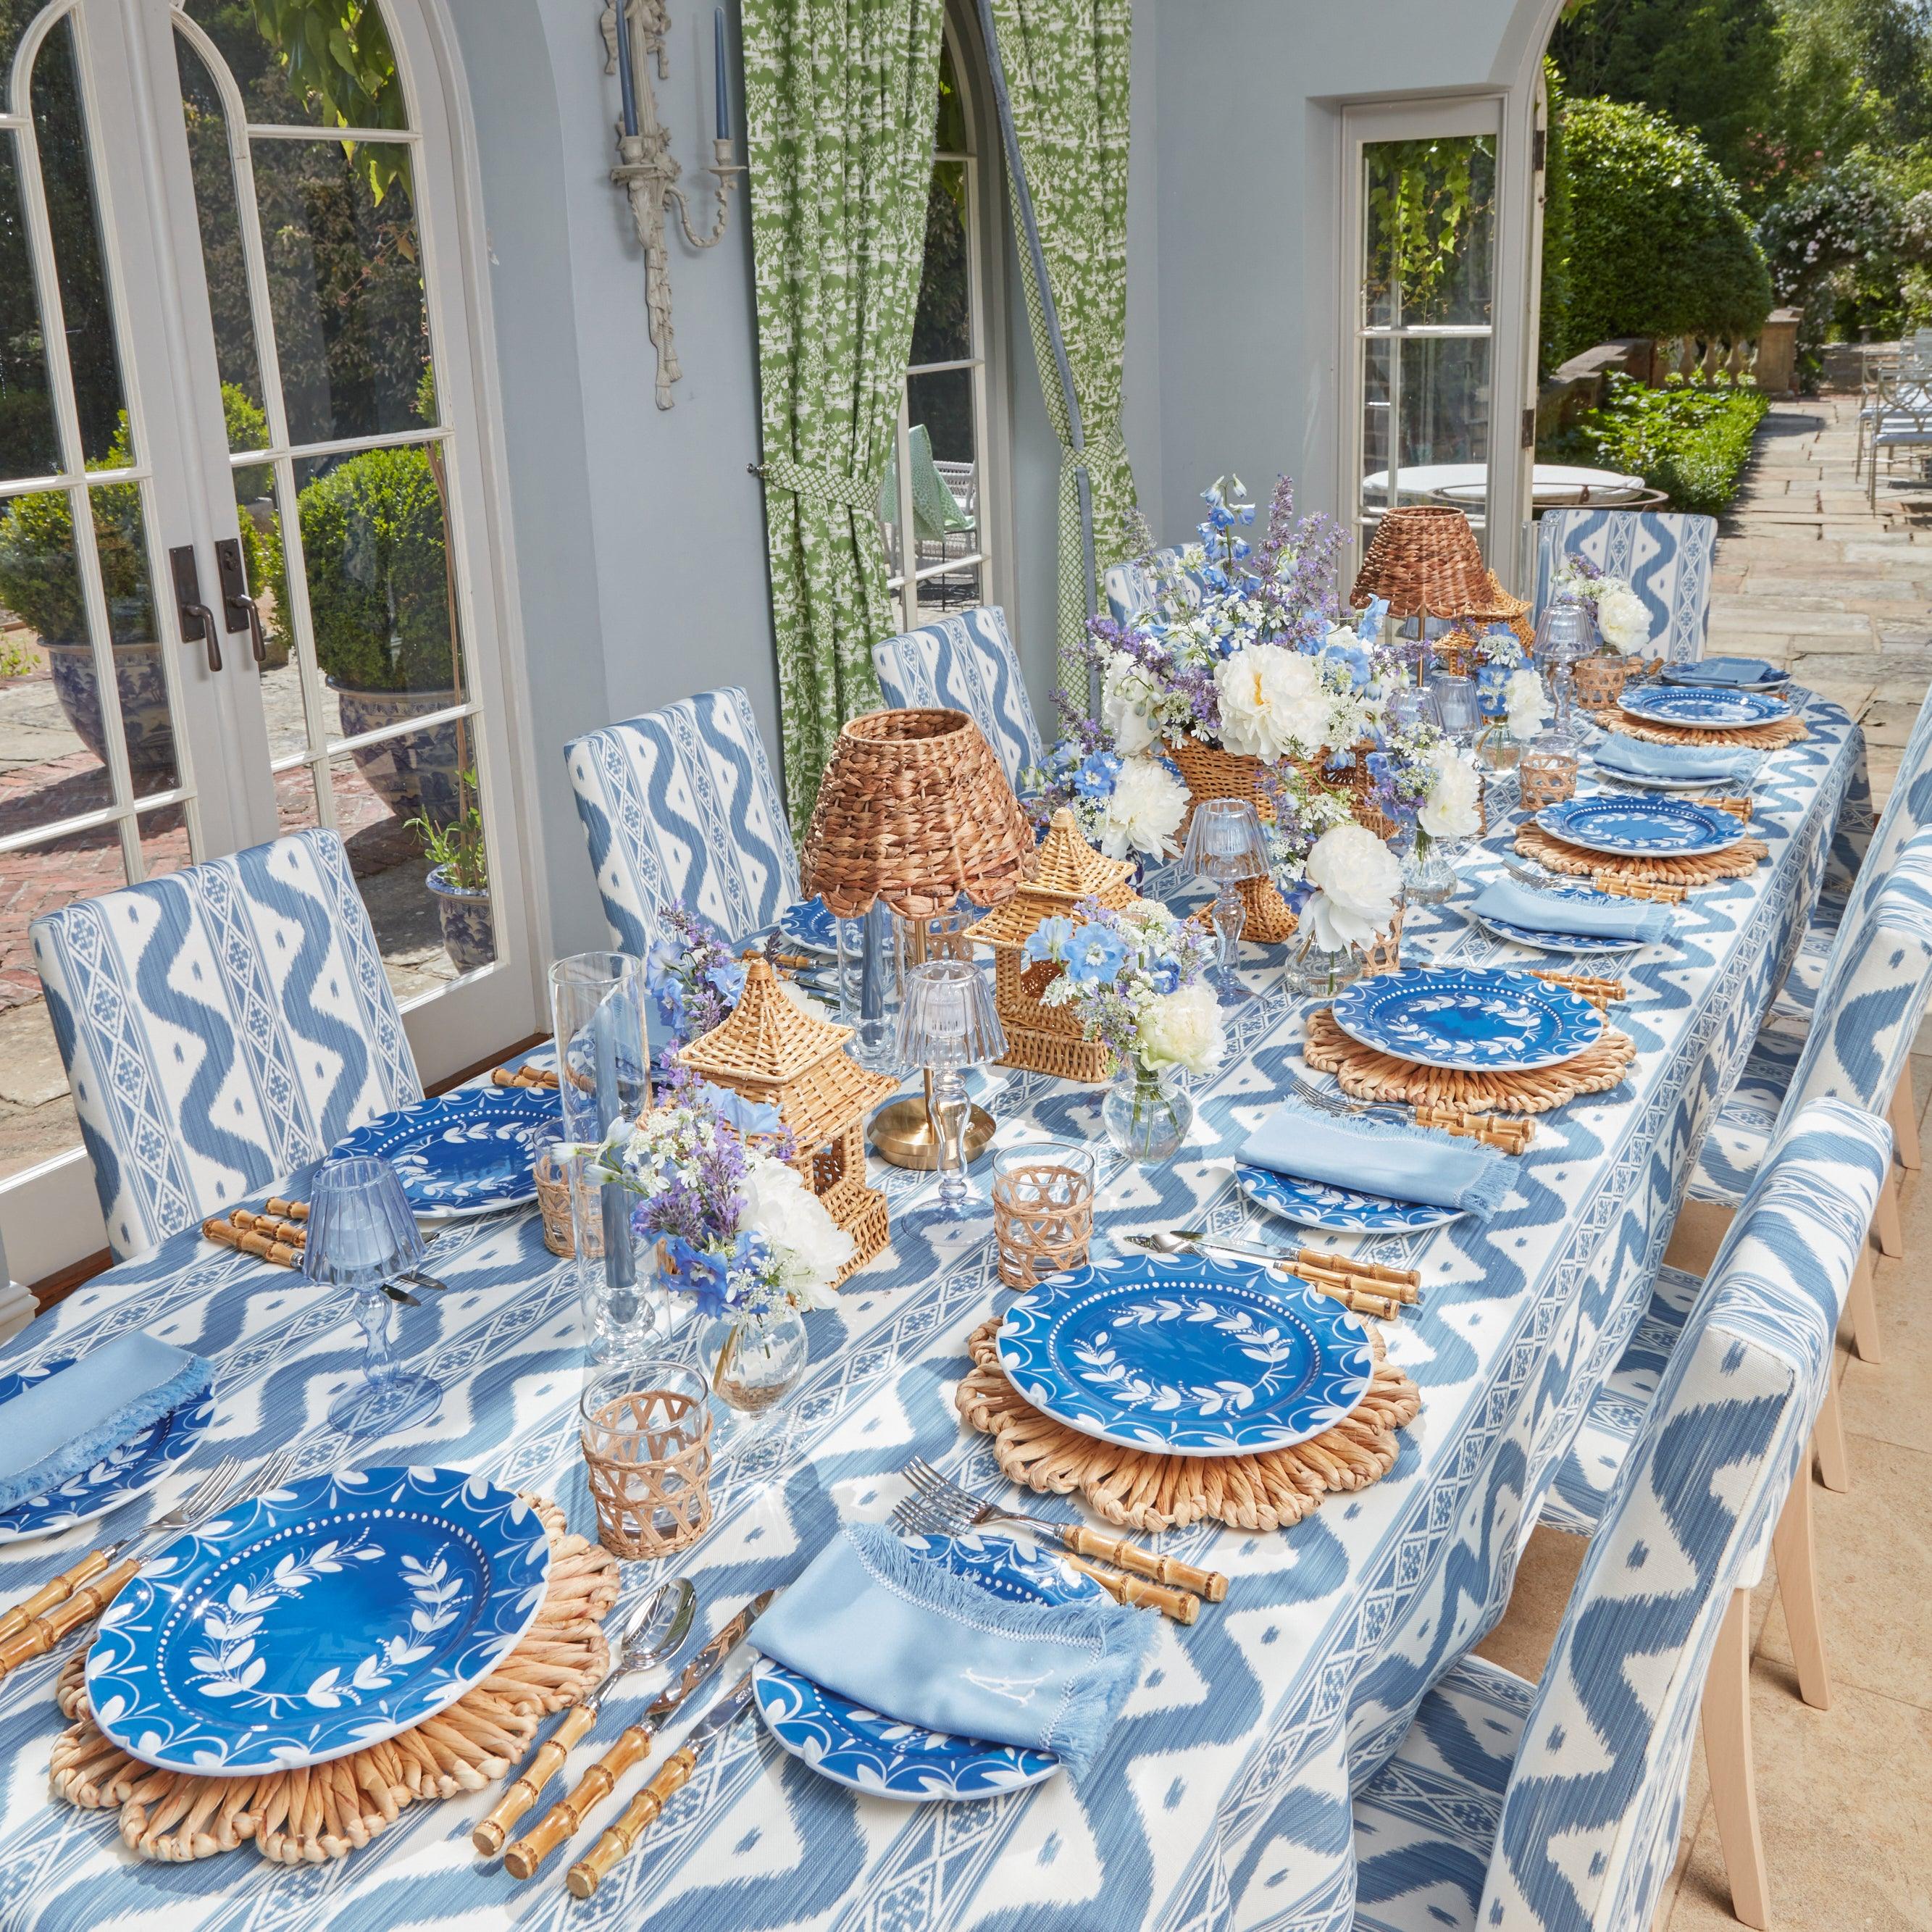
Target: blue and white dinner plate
{"type": "Point", "coordinates": [316, 1619]}
{"type": "Point", "coordinates": [868, 1752]}
{"type": "Point", "coordinates": [1186, 1357]}
{"type": "Point", "coordinates": [1687, 674]}
{"type": "Point", "coordinates": [809, 923]}
{"type": "Point", "coordinates": [1498, 1020]}
{"type": "Point", "coordinates": [466, 1153]}
{"type": "Point", "coordinates": [1641, 827]}
{"type": "Point", "coordinates": [1342, 1211]}
{"type": "Point", "coordinates": [1710, 707]}
{"type": "Point", "coordinates": [129, 1470]}
{"type": "Point", "coordinates": [1562, 942]}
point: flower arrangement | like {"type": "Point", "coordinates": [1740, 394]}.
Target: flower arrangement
{"type": "Point", "coordinates": [692, 976]}
{"type": "Point", "coordinates": [1127, 807]}
{"type": "Point", "coordinates": [731, 1222]}
{"type": "Point", "coordinates": [1525, 703]}
{"type": "Point", "coordinates": [1622, 622]}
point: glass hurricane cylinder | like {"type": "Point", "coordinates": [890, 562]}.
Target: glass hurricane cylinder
{"type": "Point", "coordinates": [625, 1310]}
{"type": "Point", "coordinates": [1147, 1115]}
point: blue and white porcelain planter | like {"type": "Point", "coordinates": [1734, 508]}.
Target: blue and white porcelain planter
{"type": "Point", "coordinates": [468, 931]}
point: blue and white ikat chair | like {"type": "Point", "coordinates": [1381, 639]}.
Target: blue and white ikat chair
{"type": "Point", "coordinates": [1556, 1806]}
{"type": "Point", "coordinates": [1665, 555]}
{"type": "Point", "coordinates": [679, 807]}
{"type": "Point", "coordinates": [1128, 587]}
{"type": "Point", "coordinates": [965, 662]}
{"type": "Point", "coordinates": [220, 1026]}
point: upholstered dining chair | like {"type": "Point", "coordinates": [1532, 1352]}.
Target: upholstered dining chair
{"type": "Point", "coordinates": [220, 1026]}
{"type": "Point", "coordinates": [1129, 587]}
{"type": "Point", "coordinates": [965, 662]}
{"type": "Point", "coordinates": [679, 807]}
{"type": "Point", "coordinates": [1665, 555]}
{"type": "Point", "coordinates": [1510, 1805]}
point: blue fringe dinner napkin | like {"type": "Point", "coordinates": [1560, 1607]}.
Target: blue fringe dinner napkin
{"type": "Point", "coordinates": [1401, 1163]}
{"type": "Point", "coordinates": [1634, 758]}
{"type": "Point", "coordinates": [1581, 919]}
{"type": "Point", "coordinates": [909, 1640]}
{"type": "Point", "coordinates": [65, 1423]}
{"type": "Point", "coordinates": [1745, 671]}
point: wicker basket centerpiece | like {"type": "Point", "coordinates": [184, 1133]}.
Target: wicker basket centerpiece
{"type": "Point", "coordinates": [770, 1050]}
{"type": "Point", "coordinates": [1039, 1038]}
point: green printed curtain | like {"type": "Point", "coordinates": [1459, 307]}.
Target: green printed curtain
{"type": "Point", "coordinates": [840, 100]}
{"type": "Point", "coordinates": [1063, 68]}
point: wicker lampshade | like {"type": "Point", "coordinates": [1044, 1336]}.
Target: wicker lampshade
{"type": "Point", "coordinates": [1424, 558]}
{"type": "Point", "coordinates": [914, 810]}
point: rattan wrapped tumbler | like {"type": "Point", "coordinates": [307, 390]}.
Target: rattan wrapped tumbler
{"type": "Point", "coordinates": [645, 1431]}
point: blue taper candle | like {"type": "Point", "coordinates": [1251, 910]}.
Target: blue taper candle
{"type": "Point", "coordinates": [627, 80]}
{"type": "Point", "coordinates": [723, 92]}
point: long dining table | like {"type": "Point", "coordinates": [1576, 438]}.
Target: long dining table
{"type": "Point", "coordinates": [1222, 1799]}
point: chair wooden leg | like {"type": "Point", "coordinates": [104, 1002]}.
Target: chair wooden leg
{"type": "Point", "coordinates": [1727, 1751]}
{"type": "Point", "coordinates": [1863, 1306]}
{"type": "Point", "coordinates": [1792, 1545]}
{"type": "Point", "coordinates": [1828, 1439]}
{"type": "Point", "coordinates": [1904, 1115]}
{"type": "Point", "coordinates": [1885, 1223]}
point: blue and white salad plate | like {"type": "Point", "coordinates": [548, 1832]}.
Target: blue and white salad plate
{"type": "Point", "coordinates": [810, 923]}
{"type": "Point", "coordinates": [316, 1619]}
{"type": "Point", "coordinates": [466, 1153]}
{"type": "Point", "coordinates": [868, 1752]}
{"type": "Point", "coordinates": [1562, 942]}
{"type": "Point", "coordinates": [1186, 1357]}
{"type": "Point", "coordinates": [1342, 1211]}
{"type": "Point", "coordinates": [129, 1470]}
{"type": "Point", "coordinates": [1710, 707]}
{"type": "Point", "coordinates": [1645, 827]}
{"type": "Point", "coordinates": [1498, 1020]}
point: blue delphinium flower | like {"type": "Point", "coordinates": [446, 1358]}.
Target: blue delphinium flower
{"type": "Point", "coordinates": [1098, 776]}
{"type": "Point", "coordinates": [1094, 954]}
{"type": "Point", "coordinates": [1164, 974]}
{"type": "Point", "coordinates": [1049, 939]}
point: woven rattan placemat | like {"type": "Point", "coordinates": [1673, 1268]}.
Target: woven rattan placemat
{"type": "Point", "coordinates": [1702, 869]}
{"type": "Point", "coordinates": [1772, 736]}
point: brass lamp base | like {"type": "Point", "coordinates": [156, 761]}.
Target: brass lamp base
{"type": "Point", "coordinates": [902, 1134]}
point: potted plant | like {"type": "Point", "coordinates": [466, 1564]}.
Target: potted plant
{"type": "Point", "coordinates": [459, 877]}
{"type": "Point", "coordinates": [383, 606]}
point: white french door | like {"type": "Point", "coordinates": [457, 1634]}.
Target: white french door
{"type": "Point", "coordinates": [243, 580]}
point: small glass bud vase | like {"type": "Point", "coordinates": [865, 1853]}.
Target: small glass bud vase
{"type": "Point", "coordinates": [1147, 1115]}
{"type": "Point", "coordinates": [1548, 774]}
{"type": "Point", "coordinates": [1317, 972]}
{"type": "Point", "coordinates": [755, 1358]}
{"type": "Point", "coordinates": [1427, 877]}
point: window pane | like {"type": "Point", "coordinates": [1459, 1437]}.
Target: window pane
{"type": "Point", "coordinates": [950, 135]}
{"type": "Point", "coordinates": [36, 1117]}
{"type": "Point", "coordinates": [67, 171]}
{"type": "Point", "coordinates": [29, 440]}
{"type": "Point", "coordinates": [299, 65]}
{"type": "Point", "coordinates": [942, 329]}
{"type": "Point", "coordinates": [1445, 400]}
{"type": "Point", "coordinates": [222, 258]}
{"type": "Point", "coordinates": [147, 723]}
{"type": "Point", "coordinates": [258, 516]}
{"type": "Point", "coordinates": [1429, 208]}
{"type": "Point", "coordinates": [955, 588]}
{"type": "Point", "coordinates": [1377, 357]}
{"type": "Point", "coordinates": [345, 287]}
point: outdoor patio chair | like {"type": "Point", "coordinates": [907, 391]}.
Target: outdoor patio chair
{"type": "Point", "coordinates": [220, 1026]}
{"type": "Point", "coordinates": [1558, 1803]}
{"type": "Point", "coordinates": [1901, 419]}
{"type": "Point", "coordinates": [679, 807]}
{"type": "Point", "coordinates": [966, 662]}
{"type": "Point", "coordinates": [1665, 555]}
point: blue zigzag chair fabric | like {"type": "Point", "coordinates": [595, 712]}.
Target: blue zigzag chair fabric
{"type": "Point", "coordinates": [965, 662]}
{"type": "Point", "coordinates": [1557, 1806]}
{"type": "Point", "coordinates": [1664, 555]}
{"type": "Point", "coordinates": [219, 1026]}
{"type": "Point", "coordinates": [1129, 588]}
{"type": "Point", "coordinates": [679, 807]}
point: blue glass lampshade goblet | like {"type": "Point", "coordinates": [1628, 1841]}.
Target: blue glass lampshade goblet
{"type": "Point", "coordinates": [362, 1236]}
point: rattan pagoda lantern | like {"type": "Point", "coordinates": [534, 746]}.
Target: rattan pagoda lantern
{"type": "Point", "coordinates": [1042, 1039]}
{"type": "Point", "coordinates": [768, 1049]}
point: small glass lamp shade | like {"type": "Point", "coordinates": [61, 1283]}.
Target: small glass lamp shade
{"type": "Point", "coordinates": [1224, 841]}
{"type": "Point", "coordinates": [360, 1232]}
{"type": "Point", "coordinates": [1566, 632]}
{"type": "Point", "coordinates": [948, 1021]}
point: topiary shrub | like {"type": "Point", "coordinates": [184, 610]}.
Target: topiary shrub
{"type": "Point", "coordinates": [1656, 243]}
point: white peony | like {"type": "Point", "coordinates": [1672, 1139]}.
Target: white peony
{"type": "Point", "coordinates": [1453, 808]}
{"type": "Point", "coordinates": [1357, 880]}
{"type": "Point", "coordinates": [1144, 812]}
{"type": "Point", "coordinates": [807, 1246]}
{"type": "Point", "coordinates": [1183, 1030]}
{"type": "Point", "coordinates": [1272, 703]}
{"type": "Point", "coordinates": [1128, 696]}
{"type": "Point", "coordinates": [1527, 703]}
{"type": "Point", "coordinates": [1622, 618]}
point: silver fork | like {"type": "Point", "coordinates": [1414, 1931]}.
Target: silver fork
{"type": "Point", "coordinates": [1338, 1104]}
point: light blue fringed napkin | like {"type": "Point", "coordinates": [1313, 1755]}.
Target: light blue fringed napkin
{"type": "Point", "coordinates": [910, 1640]}
{"type": "Point", "coordinates": [67, 1422]}
{"type": "Point", "coordinates": [1634, 758]}
{"type": "Point", "coordinates": [1401, 1163]}
{"type": "Point", "coordinates": [1581, 918]}
{"type": "Point", "coordinates": [1745, 671]}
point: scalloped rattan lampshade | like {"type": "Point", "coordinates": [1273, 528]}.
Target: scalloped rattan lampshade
{"type": "Point", "coordinates": [914, 809]}
{"type": "Point", "coordinates": [1425, 559]}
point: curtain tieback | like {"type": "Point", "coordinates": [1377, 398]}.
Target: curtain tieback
{"type": "Point", "coordinates": [817, 484]}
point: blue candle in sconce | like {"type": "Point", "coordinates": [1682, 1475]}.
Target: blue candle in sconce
{"type": "Point", "coordinates": [723, 92]}
{"type": "Point", "coordinates": [627, 80]}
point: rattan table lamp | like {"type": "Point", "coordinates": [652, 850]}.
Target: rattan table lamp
{"type": "Point", "coordinates": [914, 809]}
{"type": "Point", "coordinates": [1425, 559]}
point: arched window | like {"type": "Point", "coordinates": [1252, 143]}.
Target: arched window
{"type": "Point", "coordinates": [942, 503]}
{"type": "Point", "coordinates": [234, 365]}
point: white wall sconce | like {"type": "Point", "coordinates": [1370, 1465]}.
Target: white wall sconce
{"type": "Point", "coordinates": [647, 171]}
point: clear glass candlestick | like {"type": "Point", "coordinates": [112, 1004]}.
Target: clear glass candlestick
{"type": "Point", "coordinates": [1225, 845]}
{"type": "Point", "coordinates": [947, 1024]}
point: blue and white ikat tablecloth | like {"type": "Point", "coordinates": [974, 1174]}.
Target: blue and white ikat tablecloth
{"type": "Point", "coordinates": [1224, 1799]}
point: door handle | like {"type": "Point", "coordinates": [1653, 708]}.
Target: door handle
{"type": "Point", "coordinates": [196, 620]}
{"type": "Point", "coordinates": [240, 609]}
